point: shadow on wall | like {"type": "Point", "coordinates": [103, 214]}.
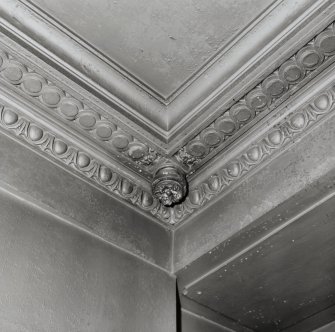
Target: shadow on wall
{"type": "Point", "coordinates": [178, 311]}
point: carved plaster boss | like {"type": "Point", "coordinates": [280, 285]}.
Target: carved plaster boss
{"type": "Point", "coordinates": [169, 184]}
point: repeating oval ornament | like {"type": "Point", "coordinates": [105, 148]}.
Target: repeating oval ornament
{"type": "Point", "coordinates": [137, 150]}
{"type": "Point", "coordinates": [326, 42]}
{"type": "Point", "coordinates": [225, 125]}
{"type": "Point", "coordinates": [274, 86]}
{"type": "Point", "coordinates": [195, 196]}
{"type": "Point", "coordinates": [147, 199]}
{"type": "Point", "coordinates": [298, 121]}
{"type": "Point", "coordinates": [309, 57]}
{"type": "Point", "coordinates": [120, 140]}
{"type": "Point", "coordinates": [126, 187]}
{"type": "Point", "coordinates": [257, 99]}
{"type": "Point", "coordinates": [241, 113]}
{"type": "Point", "coordinates": [276, 137]}
{"type": "Point", "coordinates": [197, 149]}
{"type": "Point", "coordinates": [88, 119]}
{"type": "Point", "coordinates": [211, 137]}
{"type": "Point", "coordinates": [70, 107]}
{"type": "Point", "coordinates": [3, 59]}
{"type": "Point", "coordinates": [59, 147]}
{"type": "Point", "coordinates": [254, 153]}
{"type": "Point", "coordinates": [35, 133]}
{"type": "Point", "coordinates": [51, 95]}
{"type": "Point", "coordinates": [9, 117]}
{"type": "Point", "coordinates": [105, 174]}
{"type": "Point", "coordinates": [33, 84]}
{"type": "Point", "coordinates": [214, 183]}
{"type": "Point", "coordinates": [104, 130]}
{"type": "Point", "coordinates": [234, 169]}
{"type": "Point", "coordinates": [13, 72]}
{"type": "Point", "coordinates": [291, 71]}
{"type": "Point", "coordinates": [83, 160]}
{"type": "Point", "coordinates": [322, 103]}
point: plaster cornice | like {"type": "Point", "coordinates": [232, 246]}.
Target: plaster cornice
{"type": "Point", "coordinates": [292, 121]}
{"type": "Point", "coordinates": [273, 90]}
{"type": "Point", "coordinates": [118, 145]}
{"type": "Point", "coordinates": [77, 160]}
{"type": "Point", "coordinates": [51, 41]}
{"type": "Point", "coordinates": [78, 110]}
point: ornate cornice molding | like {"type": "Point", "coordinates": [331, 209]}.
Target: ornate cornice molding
{"type": "Point", "coordinates": [123, 142]}
{"type": "Point", "coordinates": [80, 162]}
{"type": "Point", "coordinates": [51, 41]}
{"type": "Point", "coordinates": [29, 25]}
{"type": "Point", "coordinates": [295, 72]}
{"type": "Point", "coordinates": [274, 141]}
{"type": "Point", "coordinates": [255, 155]}
{"type": "Point", "coordinates": [76, 113]}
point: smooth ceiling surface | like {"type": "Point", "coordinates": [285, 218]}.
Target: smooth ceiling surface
{"type": "Point", "coordinates": [161, 43]}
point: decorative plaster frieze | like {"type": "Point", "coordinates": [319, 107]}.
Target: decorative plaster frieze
{"type": "Point", "coordinates": [76, 113]}
{"type": "Point", "coordinates": [271, 143]}
{"type": "Point", "coordinates": [276, 87]}
{"type": "Point", "coordinates": [66, 153]}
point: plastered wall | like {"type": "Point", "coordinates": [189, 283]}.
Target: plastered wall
{"type": "Point", "coordinates": [57, 277]}
{"type": "Point", "coordinates": [194, 323]}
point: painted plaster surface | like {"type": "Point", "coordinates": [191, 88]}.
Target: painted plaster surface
{"type": "Point", "coordinates": [194, 323]}
{"type": "Point", "coordinates": [161, 43]}
{"type": "Point", "coordinates": [327, 328]}
{"type": "Point", "coordinates": [303, 164]}
{"type": "Point", "coordinates": [56, 278]}
{"type": "Point", "coordinates": [69, 196]}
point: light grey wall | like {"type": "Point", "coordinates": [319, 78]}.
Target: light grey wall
{"type": "Point", "coordinates": [302, 167]}
{"type": "Point", "coordinates": [69, 196]}
{"type": "Point", "coordinates": [57, 277]}
{"type": "Point", "coordinates": [327, 328]}
{"type": "Point", "coordinates": [194, 323]}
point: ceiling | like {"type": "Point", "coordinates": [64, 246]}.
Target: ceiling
{"type": "Point", "coordinates": [159, 45]}
{"type": "Point", "coordinates": [222, 90]}
{"type": "Point", "coordinates": [107, 81]}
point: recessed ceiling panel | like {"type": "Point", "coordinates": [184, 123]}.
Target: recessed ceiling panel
{"type": "Point", "coordinates": [161, 43]}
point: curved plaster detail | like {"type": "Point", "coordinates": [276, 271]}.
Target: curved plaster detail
{"type": "Point", "coordinates": [271, 143]}
{"type": "Point", "coordinates": [169, 184]}
{"type": "Point", "coordinates": [305, 64]}
{"type": "Point", "coordinates": [72, 110]}
{"type": "Point", "coordinates": [280, 84]}
{"type": "Point", "coordinates": [81, 162]}
{"type": "Point", "coordinates": [254, 156]}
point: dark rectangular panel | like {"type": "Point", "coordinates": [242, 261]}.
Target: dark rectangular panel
{"type": "Point", "coordinates": [285, 279]}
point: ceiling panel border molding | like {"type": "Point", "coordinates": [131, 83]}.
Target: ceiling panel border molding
{"type": "Point", "coordinates": [290, 125]}
{"type": "Point", "coordinates": [53, 146]}
{"type": "Point", "coordinates": [34, 29]}
{"type": "Point", "coordinates": [294, 121]}
{"type": "Point", "coordinates": [277, 87]}
{"type": "Point", "coordinates": [285, 31]}
{"type": "Point", "coordinates": [78, 111]}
